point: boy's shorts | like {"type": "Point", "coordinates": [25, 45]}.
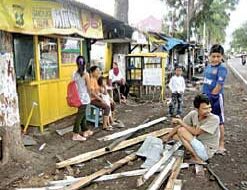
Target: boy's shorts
{"type": "Point", "coordinates": [217, 103]}
{"type": "Point", "coordinates": [199, 148]}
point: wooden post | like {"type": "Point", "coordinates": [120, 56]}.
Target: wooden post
{"type": "Point", "coordinates": [96, 153]}
{"type": "Point", "coordinates": [88, 179]}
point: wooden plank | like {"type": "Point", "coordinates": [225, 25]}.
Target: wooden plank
{"type": "Point", "coordinates": [132, 173]}
{"type": "Point", "coordinates": [178, 184]}
{"type": "Point", "coordinates": [175, 171]}
{"type": "Point", "coordinates": [102, 178]}
{"type": "Point", "coordinates": [117, 141]}
{"type": "Point", "coordinates": [90, 178]}
{"type": "Point", "coordinates": [70, 170]}
{"type": "Point", "coordinates": [62, 132]}
{"type": "Point", "coordinates": [96, 153]}
{"type": "Point", "coordinates": [155, 185]}
{"type": "Point", "coordinates": [166, 155]}
{"type": "Point", "coordinates": [199, 170]}
{"type": "Point", "coordinates": [131, 130]}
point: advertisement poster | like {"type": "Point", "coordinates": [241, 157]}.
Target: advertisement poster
{"type": "Point", "coordinates": [48, 17]}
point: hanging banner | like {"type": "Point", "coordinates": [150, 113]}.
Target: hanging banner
{"type": "Point", "coordinates": [48, 17]}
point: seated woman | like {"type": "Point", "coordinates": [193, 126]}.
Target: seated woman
{"type": "Point", "coordinates": [96, 98]}
{"type": "Point", "coordinates": [116, 78]}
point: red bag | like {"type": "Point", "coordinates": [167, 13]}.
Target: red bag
{"type": "Point", "coordinates": [73, 98]}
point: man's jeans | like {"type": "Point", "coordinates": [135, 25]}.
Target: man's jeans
{"type": "Point", "coordinates": [177, 102]}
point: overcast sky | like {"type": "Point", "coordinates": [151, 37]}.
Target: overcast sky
{"type": "Point", "coordinates": [140, 9]}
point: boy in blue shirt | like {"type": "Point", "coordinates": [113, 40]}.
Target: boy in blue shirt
{"type": "Point", "coordinates": [213, 86]}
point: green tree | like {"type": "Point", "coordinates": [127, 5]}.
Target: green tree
{"type": "Point", "coordinates": [239, 40]}
{"type": "Point", "coordinates": [214, 14]}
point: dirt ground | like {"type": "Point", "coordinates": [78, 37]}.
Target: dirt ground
{"type": "Point", "coordinates": [231, 168]}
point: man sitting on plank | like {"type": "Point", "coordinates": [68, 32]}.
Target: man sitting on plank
{"type": "Point", "coordinates": [198, 131]}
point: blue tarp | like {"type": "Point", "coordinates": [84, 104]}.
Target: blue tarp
{"type": "Point", "coordinates": [172, 42]}
{"type": "Point", "coordinates": [169, 42]}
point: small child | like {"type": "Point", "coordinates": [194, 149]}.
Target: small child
{"type": "Point", "coordinates": [107, 99]}
{"type": "Point", "coordinates": [177, 87]}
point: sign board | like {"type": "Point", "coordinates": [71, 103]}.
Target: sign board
{"type": "Point", "coordinates": [48, 17]}
{"type": "Point", "coordinates": [152, 77]}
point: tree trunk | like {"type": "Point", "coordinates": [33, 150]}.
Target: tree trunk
{"type": "Point", "coordinates": [10, 130]}
{"type": "Point", "coordinates": [12, 145]}
{"type": "Point", "coordinates": [121, 10]}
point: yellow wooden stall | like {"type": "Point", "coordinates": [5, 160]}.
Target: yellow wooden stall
{"type": "Point", "coordinates": [137, 62]}
{"type": "Point", "coordinates": [48, 88]}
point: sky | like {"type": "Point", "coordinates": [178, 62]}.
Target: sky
{"type": "Point", "coordinates": [141, 9]}
{"type": "Point", "coordinates": [138, 9]}
{"type": "Point", "coordinates": [238, 17]}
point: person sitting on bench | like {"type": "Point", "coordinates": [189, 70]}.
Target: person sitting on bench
{"type": "Point", "coordinates": [116, 79]}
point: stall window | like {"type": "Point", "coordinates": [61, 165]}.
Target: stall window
{"type": "Point", "coordinates": [48, 58]}
{"type": "Point", "coordinates": [70, 50]}
{"type": "Point", "coordinates": [24, 57]}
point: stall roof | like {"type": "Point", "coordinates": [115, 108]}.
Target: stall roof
{"type": "Point", "coordinates": [168, 42]}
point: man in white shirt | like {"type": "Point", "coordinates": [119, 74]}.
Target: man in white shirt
{"type": "Point", "coordinates": [116, 78]}
{"type": "Point", "coordinates": [177, 87]}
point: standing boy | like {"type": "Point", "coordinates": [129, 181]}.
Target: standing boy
{"type": "Point", "coordinates": [177, 87]}
{"type": "Point", "coordinates": [213, 86]}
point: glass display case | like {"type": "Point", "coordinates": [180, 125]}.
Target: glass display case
{"type": "Point", "coordinates": [70, 50]}
{"type": "Point", "coordinates": [48, 58]}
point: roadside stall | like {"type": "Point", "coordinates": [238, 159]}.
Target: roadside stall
{"type": "Point", "coordinates": [47, 38]}
{"type": "Point", "coordinates": [145, 73]}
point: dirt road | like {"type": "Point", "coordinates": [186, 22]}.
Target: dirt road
{"type": "Point", "coordinates": [231, 168]}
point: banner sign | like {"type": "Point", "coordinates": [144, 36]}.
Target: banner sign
{"type": "Point", "coordinates": [48, 17]}
{"type": "Point", "coordinates": [152, 77]}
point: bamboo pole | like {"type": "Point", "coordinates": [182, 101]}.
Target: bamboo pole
{"type": "Point", "coordinates": [96, 153]}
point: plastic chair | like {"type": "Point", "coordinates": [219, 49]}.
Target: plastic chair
{"type": "Point", "coordinates": [93, 114]}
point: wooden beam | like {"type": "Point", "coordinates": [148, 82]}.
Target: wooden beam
{"type": "Point", "coordinates": [155, 185]}
{"type": "Point", "coordinates": [175, 171]}
{"type": "Point", "coordinates": [178, 184]}
{"type": "Point", "coordinates": [62, 132]}
{"type": "Point", "coordinates": [166, 155]}
{"type": "Point", "coordinates": [90, 178]}
{"type": "Point", "coordinates": [70, 170]}
{"type": "Point", "coordinates": [131, 130]}
{"type": "Point", "coordinates": [96, 153]}
{"type": "Point", "coordinates": [102, 178]}
{"type": "Point", "coordinates": [117, 141]}
{"type": "Point", "coordinates": [132, 173]}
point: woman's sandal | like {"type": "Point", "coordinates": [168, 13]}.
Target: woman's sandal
{"type": "Point", "coordinates": [79, 138]}
{"type": "Point", "coordinates": [108, 128]}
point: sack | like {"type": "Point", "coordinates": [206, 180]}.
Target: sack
{"type": "Point", "coordinates": [73, 98]}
